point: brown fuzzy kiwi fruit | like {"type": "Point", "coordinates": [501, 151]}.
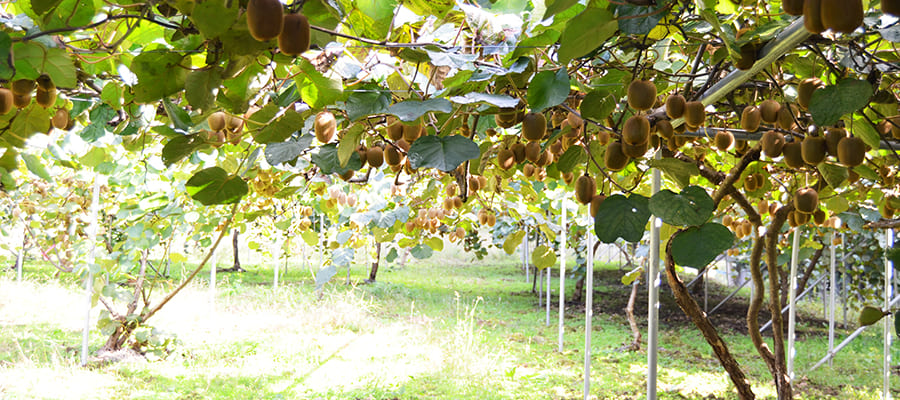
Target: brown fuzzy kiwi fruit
{"type": "Point", "coordinates": [595, 204]}
{"type": "Point", "coordinates": [534, 126]}
{"type": "Point", "coordinates": [602, 137]}
{"type": "Point", "coordinates": [22, 101]}
{"type": "Point", "coordinates": [813, 150]}
{"type": "Point", "coordinates": [375, 156]}
{"type": "Point", "coordinates": [412, 132]}
{"type": "Point", "coordinates": [833, 136]}
{"type": "Point", "coordinates": [724, 139]}
{"type": "Point", "coordinates": [750, 183]}
{"type": "Point", "coordinates": [751, 118]}
{"type": "Point", "coordinates": [675, 106]}
{"type": "Point", "coordinates": [636, 130]}
{"type": "Point", "coordinates": [585, 189]}
{"type": "Point", "coordinates": [528, 170]}
{"type": "Point", "coordinates": [533, 151]}
{"type": "Point", "coordinates": [265, 19]}
{"type": "Point", "coordinates": [851, 151]}
{"type": "Point", "coordinates": [216, 121]}
{"type": "Point", "coordinates": [518, 150]}
{"type": "Point", "coordinates": [614, 158]}
{"type": "Point", "coordinates": [59, 120]}
{"type": "Point", "coordinates": [506, 118]}
{"type": "Point", "coordinates": [394, 128]}
{"type": "Point", "coordinates": [890, 7]}
{"type": "Point", "coordinates": [852, 176]}
{"type": "Point", "coordinates": [474, 184]}
{"type": "Point", "coordinates": [812, 16]}
{"type": "Point", "coordinates": [506, 159]}
{"type": "Point", "coordinates": [6, 102]}
{"type": "Point", "coordinates": [363, 153]}
{"type": "Point", "coordinates": [557, 118]}
{"type": "Point", "coordinates": [806, 88]}
{"type": "Point", "coordinates": [325, 126]}
{"type": "Point", "coordinates": [664, 129]}
{"type": "Point", "coordinates": [842, 15]}
{"type": "Point", "coordinates": [806, 200]}
{"type": "Point", "coordinates": [893, 123]}
{"type": "Point", "coordinates": [575, 121]}
{"type": "Point", "coordinates": [786, 115]}
{"type": "Point", "coordinates": [635, 150]}
{"type": "Point", "coordinates": [772, 143]}
{"type": "Point", "coordinates": [792, 7]}
{"type": "Point", "coordinates": [45, 98]}
{"type": "Point", "coordinates": [793, 154]}
{"type": "Point", "coordinates": [403, 144]}
{"type": "Point", "coordinates": [294, 37]}
{"type": "Point", "coordinates": [760, 180]}
{"type": "Point", "coordinates": [694, 113]}
{"type": "Point", "coordinates": [769, 111]}
{"type": "Point", "coordinates": [392, 156]}
{"type": "Point", "coordinates": [641, 94]}
{"type": "Point", "coordinates": [21, 87]}
{"type": "Point", "coordinates": [820, 216]}
{"type": "Point", "coordinates": [44, 82]}
{"type": "Point", "coordinates": [747, 57]}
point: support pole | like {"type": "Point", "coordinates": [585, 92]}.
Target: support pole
{"type": "Point", "coordinates": [20, 259]}
{"type": "Point", "coordinates": [562, 273]}
{"type": "Point", "coordinates": [588, 306]}
{"type": "Point", "coordinates": [849, 339]}
{"type": "Point", "coordinates": [792, 299]}
{"type": "Point", "coordinates": [886, 321]}
{"type": "Point", "coordinates": [547, 302]}
{"type": "Point", "coordinates": [89, 276]}
{"type": "Point", "coordinates": [653, 283]}
{"type": "Point", "coordinates": [832, 297]}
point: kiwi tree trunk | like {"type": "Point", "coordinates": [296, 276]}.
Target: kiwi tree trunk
{"type": "Point", "coordinates": [373, 272]}
{"type": "Point", "coordinates": [234, 245]}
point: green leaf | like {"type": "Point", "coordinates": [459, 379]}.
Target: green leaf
{"type": "Point", "coordinates": [513, 241]}
{"type": "Point", "coordinates": [316, 89]}
{"type": "Point", "coordinates": [548, 89]}
{"type": "Point", "coordinates": [865, 131]}
{"type": "Point", "coordinates": [213, 17]}
{"type": "Point", "coordinates": [499, 100]}
{"type": "Point", "coordinates": [421, 251]}
{"type": "Point", "coordinates": [632, 275]}
{"type": "Point", "coordinates": [435, 243]}
{"type": "Point", "coordinates": [310, 236]}
{"type": "Point", "coordinates": [371, 100]}
{"type": "Point", "coordinates": [32, 59]}
{"type": "Point", "coordinates": [324, 275]}
{"type": "Point", "coordinates": [214, 186]}
{"type": "Point", "coordinates": [41, 7]}
{"type": "Point", "coordinates": [100, 117]}
{"type": "Point", "coordinates": [543, 257]}
{"type": "Point", "coordinates": [288, 151]}
{"type": "Point", "coordinates": [698, 246]}
{"type": "Point", "coordinates": [677, 170]}
{"type": "Point", "coordinates": [200, 87]}
{"type": "Point", "coordinates": [557, 6]}
{"type": "Point", "coordinates": [180, 147]}
{"type": "Point", "coordinates": [529, 44]}
{"type": "Point", "coordinates": [573, 157]}
{"type": "Point", "coordinates": [34, 164]}
{"type": "Point", "coordinates": [835, 175]}
{"type": "Point", "coordinates": [277, 130]}
{"type": "Point", "coordinates": [829, 104]}
{"type": "Point", "coordinates": [326, 158]}
{"type": "Point", "coordinates": [444, 153]}
{"type": "Point", "coordinates": [27, 123]}
{"type": "Point", "coordinates": [437, 8]}
{"type": "Point", "coordinates": [159, 74]}
{"type": "Point", "coordinates": [348, 144]}
{"type": "Point", "coordinates": [6, 71]}
{"type": "Point", "coordinates": [584, 33]}
{"type": "Point", "coordinates": [869, 315]}
{"type": "Point", "coordinates": [692, 207]}
{"type": "Point", "coordinates": [622, 217]}
{"type": "Point", "coordinates": [179, 117]}
{"type": "Point", "coordinates": [412, 110]}
{"type": "Point", "coordinates": [597, 105]}
{"type": "Point", "coordinates": [342, 256]}
{"type": "Point", "coordinates": [639, 20]}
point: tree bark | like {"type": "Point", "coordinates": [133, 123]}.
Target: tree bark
{"type": "Point", "coordinates": [374, 270]}
{"type": "Point", "coordinates": [693, 310]}
{"type": "Point", "coordinates": [782, 380]}
{"type": "Point", "coordinates": [237, 262]}
{"type": "Point", "coordinates": [578, 295]}
{"type": "Point", "coordinates": [629, 310]}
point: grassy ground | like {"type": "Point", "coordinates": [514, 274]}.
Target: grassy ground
{"type": "Point", "coordinates": [445, 328]}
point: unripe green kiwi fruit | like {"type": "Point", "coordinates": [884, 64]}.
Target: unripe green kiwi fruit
{"type": "Point", "coordinates": [664, 129]}
{"type": "Point", "coordinates": [265, 19]}
{"type": "Point", "coordinates": [724, 139]}
{"type": "Point", "coordinates": [375, 156]}
{"type": "Point", "coordinates": [518, 150]}
{"type": "Point", "coordinates": [675, 106]}
{"type": "Point", "coordinates": [6, 102]}
{"type": "Point", "coordinates": [534, 126]}
{"type": "Point", "coordinates": [21, 87]}
{"type": "Point", "coordinates": [641, 94]}
{"type": "Point", "coordinates": [21, 101]}
{"type": "Point", "coordinates": [806, 200]}
{"type": "Point", "coordinates": [890, 7]}
{"type": "Point", "coordinates": [635, 150]}
{"type": "Point", "coordinates": [506, 159]}
{"type": "Point", "coordinates": [585, 189]}
{"type": "Point", "coordinates": [325, 126]}
{"type": "Point", "coordinates": [793, 156]}
{"type": "Point", "coordinates": [694, 113]}
{"type": "Point", "coordinates": [294, 37]}
{"type": "Point", "coordinates": [59, 120]}
{"type": "Point", "coordinates": [851, 151]}
{"type": "Point", "coordinates": [533, 151]}
{"type": "Point", "coordinates": [805, 90]}
{"type": "Point", "coordinates": [812, 16]}
{"type": "Point", "coordinates": [614, 158]}
{"type": "Point", "coordinates": [842, 15]}
{"type": "Point", "coordinates": [769, 111]}
{"type": "Point", "coordinates": [751, 117]}
{"type": "Point", "coordinates": [833, 136]}
{"type": "Point", "coordinates": [636, 130]}
{"type": "Point", "coordinates": [792, 7]}
{"type": "Point", "coordinates": [216, 121]}
{"type": "Point", "coordinates": [813, 150]}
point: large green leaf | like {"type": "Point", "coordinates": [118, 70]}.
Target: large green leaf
{"type": "Point", "coordinates": [214, 17]}
{"type": "Point", "coordinates": [543, 257]}
{"type": "Point", "coordinates": [499, 100]}
{"type": "Point", "coordinates": [6, 71]}
{"type": "Point", "coordinates": [100, 117]}
{"type": "Point", "coordinates": [288, 151]}
{"type": "Point", "coordinates": [200, 87]}
{"type": "Point", "coordinates": [584, 33]}
{"type": "Point", "coordinates": [698, 246]}
{"type": "Point", "coordinates": [316, 89]}
{"type": "Point", "coordinates": [32, 59]}
{"type": "Point", "coordinates": [573, 157]}
{"type": "Point", "coordinates": [677, 170]}
{"type": "Point", "coordinates": [267, 126]}
{"type": "Point", "coordinates": [159, 74]}
{"type": "Point", "coordinates": [421, 251]}
{"type": "Point", "coordinates": [444, 153]}
{"type": "Point", "coordinates": [639, 20]}
{"type": "Point", "coordinates": [597, 105]}
{"type": "Point", "coordinates": [622, 217]}
{"type": "Point", "coordinates": [865, 131]}
{"type": "Point", "coordinates": [370, 100]}
{"type": "Point", "coordinates": [693, 206]}
{"type": "Point", "coordinates": [834, 174]}
{"type": "Point", "coordinates": [557, 6]}
{"type": "Point", "coordinates": [27, 123]}
{"type": "Point", "coordinates": [829, 104]}
{"type": "Point", "coordinates": [34, 164]}
{"type": "Point", "coordinates": [326, 158]}
{"type": "Point", "coordinates": [548, 89]}
{"type": "Point", "coordinates": [513, 241]}
{"type": "Point", "coordinates": [180, 147]}
{"type": "Point", "coordinates": [214, 186]}
{"type": "Point", "coordinates": [412, 110]}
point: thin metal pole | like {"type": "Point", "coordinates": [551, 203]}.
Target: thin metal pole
{"type": "Point", "coordinates": [540, 278]}
{"type": "Point", "coordinates": [89, 276]}
{"type": "Point", "coordinates": [849, 339]}
{"type": "Point", "coordinates": [886, 321]}
{"type": "Point", "coordinates": [588, 307]}
{"type": "Point", "coordinates": [802, 294]}
{"type": "Point", "coordinates": [547, 303]}
{"type": "Point", "coordinates": [727, 271]}
{"type": "Point", "coordinates": [844, 283]}
{"type": "Point", "coordinates": [792, 300]}
{"type": "Point", "coordinates": [653, 283]}
{"type": "Point", "coordinates": [562, 273]}
{"type": "Point", "coordinates": [832, 297]}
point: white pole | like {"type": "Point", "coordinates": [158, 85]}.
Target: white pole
{"type": "Point", "coordinates": [588, 306]}
{"type": "Point", "coordinates": [547, 302]}
{"type": "Point", "coordinates": [832, 279]}
{"type": "Point", "coordinates": [89, 277]}
{"type": "Point", "coordinates": [727, 271]}
{"type": "Point", "coordinates": [653, 283]}
{"type": "Point", "coordinates": [21, 257]}
{"type": "Point", "coordinates": [562, 273]}
{"type": "Point", "coordinates": [888, 288]}
{"type": "Point", "coordinates": [792, 299]}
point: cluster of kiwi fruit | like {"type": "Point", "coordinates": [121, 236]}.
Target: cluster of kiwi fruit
{"type": "Point", "coordinates": [806, 206]}
{"type": "Point", "coordinates": [266, 183]}
{"type": "Point", "coordinates": [486, 218]}
{"type": "Point", "coordinates": [224, 127]}
{"type": "Point", "coordinates": [838, 15]}
{"type": "Point", "coordinates": [428, 219]}
{"type": "Point", "coordinates": [741, 227]}
{"type": "Point", "coordinates": [266, 20]}
{"type": "Point", "coordinates": [586, 193]}
{"type": "Point", "coordinates": [21, 91]}
{"type": "Point", "coordinates": [457, 234]}
{"type": "Point", "coordinates": [453, 201]}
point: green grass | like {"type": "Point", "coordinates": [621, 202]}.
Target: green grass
{"type": "Point", "coordinates": [445, 328]}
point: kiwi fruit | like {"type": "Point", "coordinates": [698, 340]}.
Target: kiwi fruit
{"type": "Point", "coordinates": [595, 204]}
{"type": "Point", "coordinates": [832, 137]}
{"type": "Point", "coordinates": [772, 143]}
{"type": "Point", "coordinates": [585, 189]}
{"type": "Point", "coordinates": [812, 16]}
{"type": "Point", "coordinates": [793, 154]}
{"type": "Point", "coordinates": [392, 156]}
{"type": "Point", "coordinates": [21, 100]}
{"type": "Point", "coordinates": [402, 144]}
{"type": "Point", "coordinates": [45, 98]}
{"type": "Point", "coordinates": [59, 120]}
{"type": "Point", "coordinates": [412, 132]}
{"type": "Point", "coordinates": [21, 87]}
{"type": "Point", "coordinates": [482, 181]}
{"type": "Point", "coordinates": [44, 82]}
{"type": "Point", "coordinates": [890, 7]}
{"type": "Point", "coordinates": [506, 118]}
{"type": "Point", "coordinates": [813, 150]}
{"type": "Point", "coordinates": [675, 106]}
{"type": "Point", "coordinates": [893, 123]}
{"type": "Point", "coordinates": [819, 216]}
{"type": "Point", "coordinates": [799, 218]}
{"type": "Point", "coordinates": [528, 170]}
{"type": "Point", "coordinates": [694, 113]}
{"type": "Point", "coordinates": [557, 119]}
{"type": "Point", "coordinates": [636, 130]}
{"type": "Point", "coordinates": [6, 102]}
{"type": "Point", "coordinates": [806, 200]}
{"type": "Point", "coordinates": [769, 111]}
{"type": "Point", "coordinates": [760, 179]}
{"type": "Point", "coordinates": [533, 151]}
{"type": "Point", "coordinates": [363, 152]}
{"type": "Point", "coordinates": [852, 176]}
{"type": "Point", "coordinates": [806, 88]}
{"type": "Point", "coordinates": [575, 121]}
{"type": "Point", "coordinates": [375, 156]}
{"type": "Point", "coordinates": [216, 121]}
{"type": "Point", "coordinates": [664, 129]}
{"type": "Point", "coordinates": [534, 126]}
{"type": "Point", "coordinates": [614, 158]}
{"type": "Point", "coordinates": [747, 56]}
{"type": "Point", "coordinates": [294, 37]}
{"type": "Point", "coordinates": [786, 116]}
{"type": "Point", "coordinates": [518, 150]}
{"type": "Point", "coordinates": [324, 126]}
{"type": "Point", "coordinates": [750, 183]}
{"type": "Point", "coordinates": [851, 151]}
{"type": "Point", "coordinates": [724, 139]}
{"type": "Point", "coordinates": [762, 207]}
{"type": "Point", "coordinates": [635, 150]}
{"type": "Point", "coordinates": [641, 94]}
{"type": "Point", "coordinates": [265, 19]}
{"type": "Point", "coordinates": [394, 128]}
{"type": "Point", "coordinates": [545, 159]}
{"type": "Point", "coordinates": [506, 159]}
{"type": "Point", "coordinates": [793, 7]}
{"type": "Point", "coordinates": [842, 15]}
{"type": "Point", "coordinates": [751, 118]}
{"type": "Point", "coordinates": [603, 137]}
